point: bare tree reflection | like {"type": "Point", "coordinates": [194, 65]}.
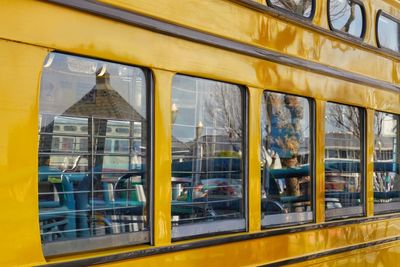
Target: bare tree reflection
{"type": "Point", "coordinates": [342, 13]}
{"type": "Point", "coordinates": [386, 179]}
{"type": "Point", "coordinates": [300, 7]}
{"type": "Point", "coordinates": [346, 118]}
{"type": "Point", "coordinates": [223, 111]}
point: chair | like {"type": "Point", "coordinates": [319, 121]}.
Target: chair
{"type": "Point", "coordinates": [119, 205]}
{"type": "Point", "coordinates": [57, 213]}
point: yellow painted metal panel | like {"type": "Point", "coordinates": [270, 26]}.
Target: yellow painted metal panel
{"type": "Point", "coordinates": [19, 86]}
{"type": "Point", "coordinates": [224, 18]}
{"type": "Point", "coordinates": [384, 255]}
{"type": "Point", "coordinates": [254, 159]}
{"type": "Point", "coordinates": [74, 32]}
{"type": "Point", "coordinates": [119, 42]}
{"type": "Point", "coordinates": [369, 34]}
{"type": "Point", "coordinates": [272, 249]}
{"type": "Point", "coordinates": [370, 162]}
{"type": "Point", "coordinates": [321, 16]}
{"type": "Point", "coordinates": [162, 157]}
{"type": "Point", "coordinates": [392, 7]}
{"type": "Point", "coordinates": [320, 161]}
{"type": "Point", "coordinates": [264, 250]}
{"type": "Point", "coordinates": [385, 101]}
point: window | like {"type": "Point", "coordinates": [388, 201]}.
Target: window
{"type": "Point", "coordinates": [304, 8]}
{"type": "Point", "coordinates": [387, 163]}
{"type": "Point", "coordinates": [70, 128]}
{"type": "Point", "coordinates": [347, 16]}
{"type": "Point", "coordinates": [90, 198]}
{"type": "Point", "coordinates": [122, 130]}
{"type": "Point", "coordinates": [388, 32]}
{"type": "Point", "coordinates": [286, 160]}
{"type": "Point", "coordinates": [332, 153]}
{"type": "Point", "coordinates": [344, 176]}
{"type": "Point", "coordinates": [207, 157]}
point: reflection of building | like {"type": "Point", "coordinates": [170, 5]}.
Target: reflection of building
{"type": "Point", "coordinates": [344, 150]}
{"type": "Point", "coordinates": [385, 148]}
{"type": "Point", "coordinates": [211, 156]}
{"type": "Point", "coordinates": [99, 124]}
{"type": "Point", "coordinates": [212, 146]}
{"type": "Point", "coordinates": [342, 162]}
{"type": "Point", "coordinates": [71, 78]}
{"type": "Point", "coordinates": [341, 146]}
{"type": "Point", "coordinates": [70, 140]}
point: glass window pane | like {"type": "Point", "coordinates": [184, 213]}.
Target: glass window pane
{"type": "Point", "coordinates": [92, 178]}
{"type": "Point", "coordinates": [300, 7]}
{"type": "Point", "coordinates": [343, 180]}
{"type": "Point", "coordinates": [286, 160]}
{"type": "Point", "coordinates": [388, 33]}
{"type": "Point", "coordinates": [346, 16]}
{"type": "Point", "coordinates": [386, 163]}
{"type": "Point", "coordinates": [207, 162]}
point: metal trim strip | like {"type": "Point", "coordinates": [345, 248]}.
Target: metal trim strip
{"type": "Point", "coordinates": [203, 229]}
{"type": "Point", "coordinates": [308, 24]}
{"type": "Point", "coordinates": [224, 240]}
{"type": "Point", "coordinates": [331, 252]}
{"type": "Point", "coordinates": [159, 26]}
{"type": "Point", "coordinates": [93, 243]}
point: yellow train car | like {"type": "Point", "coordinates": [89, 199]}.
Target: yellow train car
{"type": "Point", "coordinates": [200, 133]}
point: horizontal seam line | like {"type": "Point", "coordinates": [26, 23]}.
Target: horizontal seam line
{"type": "Point", "coordinates": [167, 28]}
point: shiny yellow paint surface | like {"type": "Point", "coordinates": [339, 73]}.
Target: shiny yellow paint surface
{"type": "Point", "coordinates": [370, 149]}
{"type": "Point", "coordinates": [245, 25]}
{"type": "Point", "coordinates": [320, 161]}
{"type": "Point", "coordinates": [162, 157]}
{"type": "Point", "coordinates": [254, 139]}
{"type": "Point", "coordinates": [321, 16]}
{"type": "Point", "coordinates": [19, 226]}
{"type": "Point", "coordinates": [267, 250]}
{"type": "Point", "coordinates": [132, 45]}
{"type": "Point", "coordinates": [33, 28]}
{"type": "Point", "coordinates": [376, 256]}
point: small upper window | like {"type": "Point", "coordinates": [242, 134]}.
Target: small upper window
{"type": "Point", "coordinates": [388, 32]}
{"type": "Point", "coordinates": [299, 7]}
{"type": "Point", "coordinates": [346, 16]}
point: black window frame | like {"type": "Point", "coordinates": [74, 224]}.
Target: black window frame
{"type": "Point", "coordinates": [244, 91]}
{"type": "Point", "coordinates": [312, 158]}
{"type": "Point", "coordinates": [363, 165]}
{"type": "Point", "coordinates": [150, 148]}
{"type": "Point", "coordinates": [292, 14]}
{"type": "Point", "coordinates": [383, 155]}
{"type": "Point", "coordinates": [346, 35]}
{"type": "Point", "coordinates": [378, 43]}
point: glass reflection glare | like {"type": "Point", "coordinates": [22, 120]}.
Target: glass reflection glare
{"type": "Point", "coordinates": [388, 33]}
{"type": "Point", "coordinates": [386, 163]}
{"type": "Point", "coordinates": [207, 172]}
{"type": "Point", "coordinates": [343, 181]}
{"type": "Point", "coordinates": [286, 160]}
{"type": "Point", "coordinates": [346, 16]}
{"type": "Point", "coordinates": [299, 7]}
{"type": "Point", "coordinates": [92, 150]}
